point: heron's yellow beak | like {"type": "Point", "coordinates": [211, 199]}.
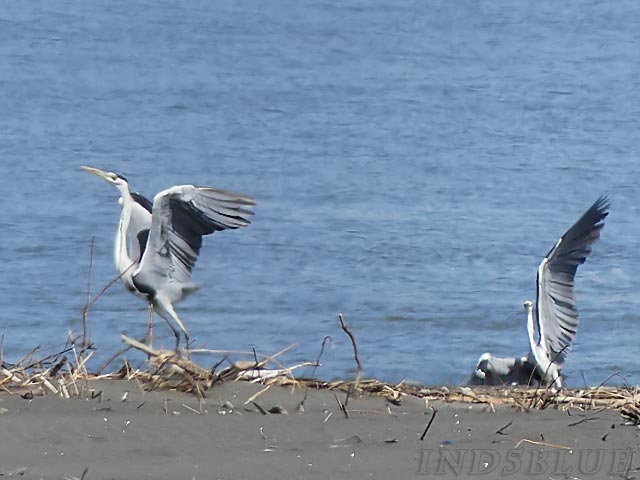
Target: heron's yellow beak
{"type": "Point", "coordinates": [101, 173]}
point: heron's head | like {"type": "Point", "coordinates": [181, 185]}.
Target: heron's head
{"type": "Point", "coordinates": [482, 366]}
{"type": "Point", "coordinates": [528, 305]}
{"type": "Point", "coordinates": [114, 179]}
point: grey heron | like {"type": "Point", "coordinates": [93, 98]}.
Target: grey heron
{"type": "Point", "coordinates": [157, 243]}
{"type": "Point", "coordinates": [552, 322]}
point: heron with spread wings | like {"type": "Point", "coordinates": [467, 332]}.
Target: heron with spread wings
{"type": "Point", "coordinates": [157, 244]}
{"type": "Point", "coordinates": [552, 322]}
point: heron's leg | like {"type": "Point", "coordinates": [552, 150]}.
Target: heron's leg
{"type": "Point", "coordinates": [150, 329]}
{"type": "Point", "coordinates": [174, 330]}
{"type": "Point", "coordinates": [555, 383]}
{"type": "Point", "coordinates": [167, 308]}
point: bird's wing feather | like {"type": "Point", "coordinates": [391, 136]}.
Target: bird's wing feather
{"type": "Point", "coordinates": [139, 225]}
{"type": "Point", "coordinates": [143, 201]}
{"type": "Point", "coordinates": [181, 216]}
{"type": "Point", "coordinates": [556, 312]}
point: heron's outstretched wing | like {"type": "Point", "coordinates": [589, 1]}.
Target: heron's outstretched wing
{"type": "Point", "coordinates": [556, 312]}
{"type": "Point", "coordinates": [181, 216]}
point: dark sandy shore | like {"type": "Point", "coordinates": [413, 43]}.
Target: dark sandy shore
{"type": "Point", "coordinates": [49, 437]}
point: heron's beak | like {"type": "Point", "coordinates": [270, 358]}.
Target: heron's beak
{"type": "Point", "coordinates": [101, 173]}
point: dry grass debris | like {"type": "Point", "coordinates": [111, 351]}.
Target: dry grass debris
{"type": "Point", "coordinates": [64, 373]}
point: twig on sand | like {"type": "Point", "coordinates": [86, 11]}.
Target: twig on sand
{"type": "Point", "coordinates": [433, 417]}
{"type": "Point", "coordinates": [542, 444]}
{"type": "Point", "coordinates": [260, 408]}
{"type": "Point", "coordinates": [501, 430]}
{"type": "Point", "coordinates": [326, 419]}
{"type": "Point", "coordinates": [191, 409]}
{"type": "Point", "coordinates": [343, 407]}
{"type": "Point", "coordinates": [256, 395]}
{"type": "Point", "coordinates": [68, 477]}
{"type": "Point", "coordinates": [357, 359]}
{"type": "Point", "coordinates": [585, 419]}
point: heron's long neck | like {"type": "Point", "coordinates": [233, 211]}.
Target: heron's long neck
{"type": "Point", "coordinates": [533, 341]}
{"type": "Point", "coordinates": [123, 261]}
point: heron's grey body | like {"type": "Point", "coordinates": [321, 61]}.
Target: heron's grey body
{"type": "Point", "coordinates": [552, 322]}
{"type": "Point", "coordinates": [492, 370]}
{"type": "Point", "coordinates": [157, 244]}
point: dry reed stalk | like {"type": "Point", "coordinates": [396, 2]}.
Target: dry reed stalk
{"type": "Point", "coordinates": [64, 393]}
{"type": "Point", "coordinates": [73, 377]}
{"type": "Point", "coordinates": [258, 375]}
{"type": "Point", "coordinates": [85, 309]}
{"type": "Point", "coordinates": [356, 357]}
{"type": "Point", "coordinates": [256, 395]}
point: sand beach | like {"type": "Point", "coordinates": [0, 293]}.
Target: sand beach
{"type": "Point", "coordinates": [116, 430]}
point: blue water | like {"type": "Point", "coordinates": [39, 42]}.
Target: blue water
{"type": "Point", "coordinates": [413, 162]}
